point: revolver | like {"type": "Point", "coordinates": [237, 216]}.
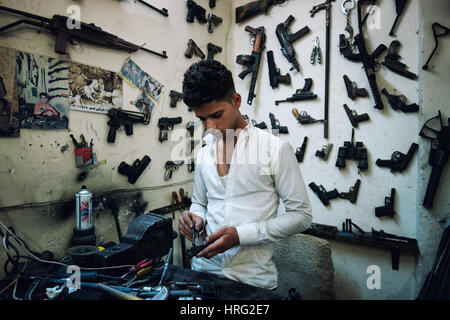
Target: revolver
{"type": "Point", "coordinates": [170, 166]}
{"type": "Point", "coordinates": [166, 124]}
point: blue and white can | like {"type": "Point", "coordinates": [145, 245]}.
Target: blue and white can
{"type": "Point", "coordinates": [84, 209]}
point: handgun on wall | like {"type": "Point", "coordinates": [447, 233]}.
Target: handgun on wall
{"type": "Point", "coordinates": [134, 171]}
{"type": "Point", "coordinates": [275, 76]}
{"type": "Point", "coordinates": [192, 49]}
{"type": "Point", "coordinates": [399, 161]}
{"type": "Point", "coordinates": [170, 166]}
{"type": "Point", "coordinates": [165, 124]}
{"type": "Point", "coordinates": [213, 21]}
{"type": "Point", "coordinates": [175, 96]}
{"type": "Point", "coordinates": [118, 118]}
{"type": "Point", "coordinates": [301, 94]}
{"type": "Point", "coordinates": [195, 11]}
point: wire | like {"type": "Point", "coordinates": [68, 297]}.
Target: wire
{"type": "Point", "coordinates": [56, 262]}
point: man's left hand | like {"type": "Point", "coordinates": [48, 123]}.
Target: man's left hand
{"type": "Point", "coordinates": [225, 238]}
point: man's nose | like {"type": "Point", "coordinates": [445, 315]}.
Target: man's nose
{"type": "Point", "coordinates": [210, 124]}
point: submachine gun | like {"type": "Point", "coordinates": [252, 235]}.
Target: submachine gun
{"type": "Point", "coordinates": [252, 61]}
{"type": "Point", "coordinates": [118, 117]}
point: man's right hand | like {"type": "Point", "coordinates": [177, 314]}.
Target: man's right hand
{"type": "Point", "coordinates": [185, 223]}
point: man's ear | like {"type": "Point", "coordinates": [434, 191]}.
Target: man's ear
{"type": "Point", "coordinates": [236, 98]}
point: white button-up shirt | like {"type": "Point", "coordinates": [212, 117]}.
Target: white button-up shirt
{"type": "Point", "coordinates": [263, 170]}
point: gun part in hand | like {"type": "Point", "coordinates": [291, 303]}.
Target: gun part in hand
{"type": "Point", "coordinates": [253, 8]}
{"type": "Point", "coordinates": [166, 124]}
{"type": "Point", "coordinates": [301, 94]}
{"type": "Point", "coordinates": [399, 161]}
{"type": "Point", "coordinates": [352, 151]}
{"type": "Point", "coordinates": [134, 171]}
{"type": "Point", "coordinates": [398, 102]}
{"type": "Point", "coordinates": [354, 117]}
{"type": "Point", "coordinates": [252, 61]}
{"type": "Point", "coordinates": [352, 194]}
{"type": "Point", "coordinates": [324, 195]}
{"type": "Point", "coordinates": [391, 62]}
{"type": "Point", "coordinates": [303, 117]}
{"type": "Point", "coordinates": [61, 26]}
{"type": "Point", "coordinates": [275, 76]}
{"type": "Point", "coordinates": [286, 38]}
{"type": "Point", "coordinates": [300, 152]}
{"type": "Point", "coordinates": [195, 11]}
{"type": "Point", "coordinates": [212, 51]}
{"type": "Point", "coordinates": [276, 125]}
{"type": "Point", "coordinates": [388, 208]}
{"type": "Point", "coordinates": [352, 89]}
{"type": "Point", "coordinates": [213, 21]}
{"type": "Point", "coordinates": [118, 117]}
{"type": "Point", "coordinates": [175, 96]}
{"type": "Point", "coordinates": [324, 151]}
{"type": "Point", "coordinates": [192, 49]}
{"type": "Point", "coordinates": [170, 166]}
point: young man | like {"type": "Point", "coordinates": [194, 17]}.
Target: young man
{"type": "Point", "coordinates": [240, 177]}
{"type": "Point", "coordinates": [43, 108]}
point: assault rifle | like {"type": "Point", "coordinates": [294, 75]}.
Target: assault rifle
{"type": "Point", "coordinates": [118, 117]}
{"type": "Point", "coordinates": [369, 62]}
{"type": "Point", "coordinates": [439, 154]}
{"type": "Point", "coordinates": [67, 29]}
{"type": "Point", "coordinates": [253, 8]}
{"type": "Point", "coordinates": [377, 239]}
{"type": "Point", "coordinates": [252, 61]}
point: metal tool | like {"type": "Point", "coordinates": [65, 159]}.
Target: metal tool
{"type": "Point", "coordinates": [316, 52]}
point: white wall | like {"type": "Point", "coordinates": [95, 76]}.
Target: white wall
{"type": "Point", "coordinates": [386, 132]}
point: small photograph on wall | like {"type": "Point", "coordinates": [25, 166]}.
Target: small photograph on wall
{"type": "Point", "coordinates": [93, 89]}
{"type": "Point", "coordinates": [43, 91]}
{"type": "Point", "coordinates": [145, 104]}
{"type": "Point", "coordinates": [9, 106]}
{"type": "Point", "coordinates": [132, 73]}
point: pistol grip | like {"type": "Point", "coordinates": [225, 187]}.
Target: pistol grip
{"type": "Point", "coordinates": [61, 43]}
{"type": "Point", "coordinates": [112, 135]}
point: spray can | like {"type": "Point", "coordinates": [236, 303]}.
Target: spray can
{"type": "Point", "coordinates": [84, 209]}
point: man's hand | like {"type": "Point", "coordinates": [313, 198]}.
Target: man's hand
{"type": "Point", "coordinates": [185, 223]}
{"type": "Point", "coordinates": [225, 238]}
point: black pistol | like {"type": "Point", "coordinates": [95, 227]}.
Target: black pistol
{"type": "Point", "coordinates": [192, 49]}
{"type": "Point", "coordinates": [195, 11]}
{"type": "Point", "coordinates": [134, 171]}
{"type": "Point", "coordinates": [398, 102]}
{"type": "Point", "coordinates": [165, 124]}
{"type": "Point", "coordinates": [354, 117]}
{"type": "Point", "coordinates": [324, 195]}
{"type": "Point", "coordinates": [388, 208]}
{"type": "Point", "coordinates": [352, 89]}
{"type": "Point", "coordinates": [175, 96]}
{"type": "Point", "coordinates": [399, 161]}
{"type": "Point", "coordinates": [391, 62]}
{"type": "Point", "coordinates": [275, 76]}
{"type": "Point", "coordinates": [301, 94]}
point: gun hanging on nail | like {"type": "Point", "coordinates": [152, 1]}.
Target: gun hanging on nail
{"type": "Point", "coordinates": [303, 117]}
{"type": "Point", "coordinates": [354, 117]}
{"type": "Point", "coordinates": [118, 118]}
{"type": "Point", "coordinates": [352, 89]}
{"type": "Point", "coordinates": [192, 49]}
{"type": "Point", "coordinates": [170, 166]}
{"type": "Point", "coordinates": [300, 151]}
{"type": "Point", "coordinates": [301, 94]}
{"type": "Point", "coordinates": [436, 35]}
{"type": "Point", "coordinates": [324, 151]}
{"type": "Point", "coordinates": [195, 11]}
{"type": "Point", "coordinates": [175, 96]}
{"type": "Point", "coordinates": [439, 154]}
{"type": "Point", "coordinates": [399, 7]}
{"type": "Point", "coordinates": [67, 30]}
{"type": "Point", "coordinates": [352, 194]}
{"type": "Point", "coordinates": [398, 102]}
{"type": "Point", "coordinates": [286, 39]}
{"type": "Point", "coordinates": [252, 61]}
{"type": "Point", "coordinates": [391, 62]}
{"type": "Point", "coordinates": [388, 208]}
{"type": "Point", "coordinates": [213, 21]}
{"type": "Point", "coordinates": [166, 124]}
{"type": "Point", "coordinates": [369, 62]}
{"type": "Point", "coordinates": [134, 171]}
{"type": "Point", "coordinates": [212, 51]}
{"type": "Point", "coordinates": [253, 8]}
{"type": "Point", "coordinates": [399, 161]}
{"type": "Point", "coordinates": [276, 124]}
{"type": "Point", "coordinates": [352, 151]}
{"type": "Point", "coordinates": [275, 77]}
{"type": "Point", "coordinates": [261, 125]}
{"type": "Point", "coordinates": [324, 195]}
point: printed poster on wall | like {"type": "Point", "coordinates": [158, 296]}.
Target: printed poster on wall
{"type": "Point", "coordinates": [9, 106]}
{"type": "Point", "coordinates": [93, 89]}
{"type": "Point", "coordinates": [43, 91]}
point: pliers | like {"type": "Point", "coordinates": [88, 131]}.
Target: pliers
{"type": "Point", "coordinates": [316, 52]}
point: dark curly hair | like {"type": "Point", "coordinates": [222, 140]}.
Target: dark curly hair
{"type": "Point", "coordinates": [206, 81]}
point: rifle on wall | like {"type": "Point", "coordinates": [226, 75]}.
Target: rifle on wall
{"type": "Point", "coordinates": [67, 29]}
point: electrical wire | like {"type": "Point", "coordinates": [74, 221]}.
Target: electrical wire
{"type": "Point", "coordinates": [56, 262]}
